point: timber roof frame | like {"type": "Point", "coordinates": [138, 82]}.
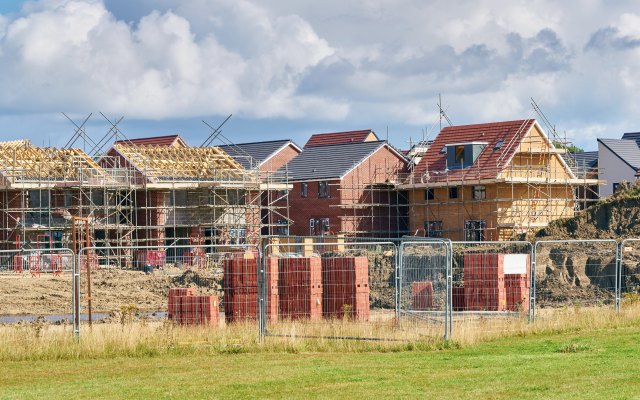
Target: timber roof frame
{"type": "Point", "coordinates": [22, 163]}
{"type": "Point", "coordinates": [168, 163]}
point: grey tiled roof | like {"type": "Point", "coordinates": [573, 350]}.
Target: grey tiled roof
{"type": "Point", "coordinates": [330, 161]}
{"type": "Point", "coordinates": [251, 155]}
{"type": "Point", "coordinates": [581, 163]}
{"type": "Point", "coordinates": [627, 150]}
{"type": "Point", "coordinates": [631, 136]}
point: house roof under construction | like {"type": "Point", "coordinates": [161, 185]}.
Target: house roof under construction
{"type": "Point", "coordinates": [22, 162]}
{"type": "Point", "coordinates": [323, 139]}
{"type": "Point", "coordinates": [486, 165]}
{"type": "Point", "coordinates": [16, 143]}
{"type": "Point", "coordinates": [170, 163]}
{"type": "Point", "coordinates": [168, 140]}
{"type": "Point", "coordinates": [252, 155]}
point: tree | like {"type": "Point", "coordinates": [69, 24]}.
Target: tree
{"type": "Point", "coordinates": [570, 148]}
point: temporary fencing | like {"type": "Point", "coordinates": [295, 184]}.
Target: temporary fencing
{"type": "Point", "coordinates": [575, 273]}
{"type": "Point", "coordinates": [35, 282]}
{"type": "Point", "coordinates": [629, 272]}
{"type": "Point", "coordinates": [188, 284]}
{"type": "Point", "coordinates": [424, 289]}
{"type": "Point", "coordinates": [491, 282]}
{"type": "Point", "coordinates": [330, 290]}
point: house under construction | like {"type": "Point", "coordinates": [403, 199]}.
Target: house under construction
{"type": "Point", "coordinates": [491, 182]}
{"type": "Point", "coordinates": [139, 193]}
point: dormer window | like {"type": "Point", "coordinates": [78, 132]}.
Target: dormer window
{"type": "Point", "coordinates": [459, 154]}
{"type": "Point", "coordinates": [463, 155]}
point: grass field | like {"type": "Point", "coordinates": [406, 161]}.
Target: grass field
{"type": "Point", "coordinates": [584, 363]}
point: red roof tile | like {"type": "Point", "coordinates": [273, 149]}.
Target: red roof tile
{"type": "Point", "coordinates": [488, 164]}
{"type": "Point", "coordinates": [168, 140]}
{"type": "Point", "coordinates": [323, 139]}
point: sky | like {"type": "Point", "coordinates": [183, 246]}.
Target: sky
{"type": "Point", "coordinates": [291, 68]}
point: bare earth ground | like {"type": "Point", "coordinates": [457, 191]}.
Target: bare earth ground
{"type": "Point", "coordinates": [111, 289]}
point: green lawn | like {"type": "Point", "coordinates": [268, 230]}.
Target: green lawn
{"type": "Point", "coordinates": [602, 364]}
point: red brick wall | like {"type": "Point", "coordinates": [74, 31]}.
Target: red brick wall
{"type": "Point", "coordinates": [382, 166]}
{"type": "Point", "coordinates": [281, 158]}
{"type": "Point", "coordinates": [301, 209]}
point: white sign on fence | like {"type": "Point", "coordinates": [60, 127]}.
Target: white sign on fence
{"type": "Point", "coordinates": [515, 263]}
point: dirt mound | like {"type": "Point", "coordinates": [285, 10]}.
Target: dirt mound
{"type": "Point", "coordinates": [614, 218]}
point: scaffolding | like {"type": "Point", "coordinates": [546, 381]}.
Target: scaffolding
{"type": "Point", "coordinates": [526, 185]}
{"type": "Point", "coordinates": [132, 195]}
{"type": "Point", "coordinates": [371, 204]}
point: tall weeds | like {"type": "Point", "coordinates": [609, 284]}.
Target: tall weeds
{"type": "Point", "coordinates": [41, 341]}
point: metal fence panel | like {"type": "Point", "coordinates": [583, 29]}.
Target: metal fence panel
{"type": "Point", "coordinates": [576, 273]}
{"type": "Point", "coordinates": [491, 285]}
{"type": "Point", "coordinates": [333, 290]}
{"type": "Point", "coordinates": [629, 272]}
{"type": "Point", "coordinates": [35, 283]}
{"type": "Point", "coordinates": [188, 284]}
{"type": "Point", "coordinates": [424, 289]}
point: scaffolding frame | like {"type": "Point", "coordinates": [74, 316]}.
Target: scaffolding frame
{"type": "Point", "coordinates": [133, 196]}
{"type": "Point", "coordinates": [529, 191]}
{"type": "Point", "coordinates": [372, 205]}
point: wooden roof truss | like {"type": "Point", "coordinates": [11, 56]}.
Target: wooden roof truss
{"type": "Point", "coordinates": [25, 163]}
{"type": "Point", "coordinates": [165, 164]}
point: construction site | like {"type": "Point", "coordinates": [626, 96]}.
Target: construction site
{"type": "Point", "coordinates": [496, 181]}
{"type": "Point", "coordinates": [481, 182]}
{"type": "Point", "coordinates": [150, 192]}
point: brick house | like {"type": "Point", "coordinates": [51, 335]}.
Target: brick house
{"type": "Point", "coordinates": [490, 181]}
{"type": "Point", "coordinates": [348, 187]}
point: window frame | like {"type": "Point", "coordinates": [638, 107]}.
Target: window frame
{"type": "Point", "coordinates": [479, 192]}
{"type": "Point", "coordinates": [304, 190]}
{"type": "Point", "coordinates": [453, 190]}
{"type": "Point", "coordinates": [324, 192]}
{"type": "Point", "coordinates": [429, 194]}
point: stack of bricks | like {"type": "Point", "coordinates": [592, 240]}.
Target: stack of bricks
{"type": "Point", "coordinates": [488, 287]}
{"type": "Point", "coordinates": [186, 307]}
{"type": "Point", "coordinates": [422, 296]}
{"type": "Point", "coordinates": [518, 287]}
{"type": "Point", "coordinates": [345, 287]}
{"type": "Point", "coordinates": [300, 287]}
{"type": "Point", "coordinates": [241, 287]}
{"type": "Point", "coordinates": [484, 287]}
{"type": "Point", "coordinates": [459, 300]}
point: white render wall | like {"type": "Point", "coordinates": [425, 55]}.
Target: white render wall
{"type": "Point", "coordinates": [613, 170]}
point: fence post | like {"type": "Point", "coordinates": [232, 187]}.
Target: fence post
{"type": "Point", "coordinates": [532, 283]}
{"type": "Point", "coordinates": [398, 272]}
{"type": "Point", "coordinates": [449, 304]}
{"type": "Point", "coordinates": [619, 250]}
{"type": "Point", "coordinates": [75, 286]}
{"type": "Point", "coordinates": [262, 290]}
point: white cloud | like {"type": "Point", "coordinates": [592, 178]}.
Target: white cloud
{"type": "Point", "coordinates": [371, 60]}
{"type": "Point", "coordinates": [76, 54]}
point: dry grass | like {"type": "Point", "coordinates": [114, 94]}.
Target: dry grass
{"type": "Point", "coordinates": [42, 341]}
